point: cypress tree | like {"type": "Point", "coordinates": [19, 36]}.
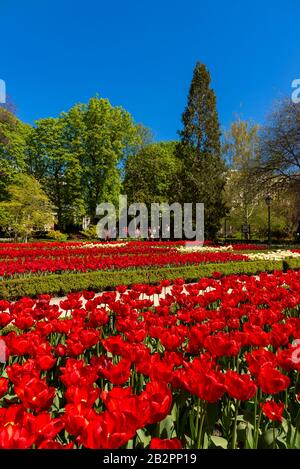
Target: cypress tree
{"type": "Point", "coordinates": [203, 171]}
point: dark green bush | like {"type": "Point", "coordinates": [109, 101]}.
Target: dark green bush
{"type": "Point", "coordinates": [62, 284]}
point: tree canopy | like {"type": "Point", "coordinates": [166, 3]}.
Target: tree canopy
{"type": "Point", "coordinates": [13, 138]}
{"type": "Point", "coordinates": [150, 174]}
{"type": "Point", "coordinates": [77, 157]}
{"type": "Point", "coordinates": [27, 210]}
{"type": "Point", "coordinates": [241, 151]}
{"type": "Point", "coordinates": [280, 145]}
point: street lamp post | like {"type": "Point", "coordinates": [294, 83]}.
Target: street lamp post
{"type": "Point", "coordinates": [268, 201]}
{"type": "Point", "coordinates": [160, 226]}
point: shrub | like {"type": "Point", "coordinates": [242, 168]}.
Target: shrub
{"type": "Point", "coordinates": [57, 235]}
{"type": "Point", "coordinates": [62, 284]}
{"type": "Point", "coordinates": [90, 232]}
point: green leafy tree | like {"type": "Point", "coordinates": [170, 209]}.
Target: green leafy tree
{"type": "Point", "coordinates": [107, 133]}
{"type": "Point", "coordinates": [244, 191]}
{"type": "Point", "coordinates": [78, 157]}
{"type": "Point", "coordinates": [246, 187]}
{"type": "Point", "coordinates": [27, 210]}
{"type": "Point", "coordinates": [13, 137]}
{"type": "Point", "coordinates": [143, 138]}
{"type": "Point", "coordinates": [202, 178]}
{"type": "Point", "coordinates": [150, 174]}
{"type": "Point", "coordinates": [52, 162]}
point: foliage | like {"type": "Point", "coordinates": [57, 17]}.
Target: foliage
{"type": "Point", "coordinates": [280, 145]}
{"type": "Point", "coordinates": [202, 175]}
{"type": "Point", "coordinates": [90, 232]}
{"type": "Point", "coordinates": [57, 235]}
{"type": "Point", "coordinates": [13, 137]}
{"type": "Point", "coordinates": [284, 218]}
{"type": "Point", "coordinates": [105, 133]}
{"type": "Point", "coordinates": [150, 174]}
{"type": "Point", "coordinates": [77, 157]}
{"type": "Point", "coordinates": [57, 169]}
{"type": "Point", "coordinates": [247, 187]}
{"type": "Point", "coordinates": [243, 190]}
{"type": "Point", "coordinates": [27, 210]}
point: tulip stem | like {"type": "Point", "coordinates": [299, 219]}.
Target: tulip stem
{"type": "Point", "coordinates": [157, 430]}
{"type": "Point", "coordinates": [234, 437]}
{"type": "Point", "coordinates": [199, 436]}
{"type": "Point", "coordinates": [257, 430]}
{"type": "Point", "coordinates": [296, 382]}
{"type": "Point", "coordinates": [237, 362]}
{"type": "Point", "coordinates": [197, 420]}
{"type": "Point", "coordinates": [295, 436]}
{"type": "Point", "coordinates": [286, 399]}
{"type": "Point", "coordinates": [296, 431]}
{"type": "Point", "coordinates": [255, 413]}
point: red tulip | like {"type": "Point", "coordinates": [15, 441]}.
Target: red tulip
{"type": "Point", "coordinates": [5, 318]}
{"type": "Point", "coordinates": [3, 386]}
{"type": "Point", "coordinates": [117, 374]}
{"type": "Point", "coordinates": [122, 400]}
{"type": "Point", "coordinates": [45, 362]}
{"type": "Point", "coordinates": [208, 386]}
{"type": "Point", "coordinates": [4, 305]}
{"type": "Point", "coordinates": [273, 410]}
{"type": "Point", "coordinates": [108, 431]}
{"type": "Point", "coordinates": [157, 443]}
{"type": "Point", "coordinates": [82, 394]}
{"type": "Point", "coordinates": [77, 418]}
{"type": "Point", "coordinates": [46, 427]}
{"type": "Point", "coordinates": [15, 437]}
{"type": "Point", "coordinates": [50, 444]}
{"type": "Point", "coordinates": [159, 398]}
{"type": "Point", "coordinates": [239, 387]}
{"type": "Point", "coordinates": [271, 380]}
{"type": "Point", "coordinates": [258, 358]}
{"type": "Point", "coordinates": [35, 394]}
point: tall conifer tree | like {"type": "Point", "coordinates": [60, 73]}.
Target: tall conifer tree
{"type": "Point", "coordinates": [203, 174]}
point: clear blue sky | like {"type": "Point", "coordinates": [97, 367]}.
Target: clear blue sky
{"type": "Point", "coordinates": [140, 54]}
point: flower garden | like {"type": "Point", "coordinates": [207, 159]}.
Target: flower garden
{"type": "Point", "coordinates": [206, 360]}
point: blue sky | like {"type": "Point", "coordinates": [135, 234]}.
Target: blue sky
{"type": "Point", "coordinates": [141, 55]}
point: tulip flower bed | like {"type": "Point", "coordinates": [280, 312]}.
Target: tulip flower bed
{"type": "Point", "coordinates": [249, 247]}
{"type": "Point", "coordinates": [60, 268]}
{"type": "Point", "coordinates": [213, 364]}
{"type": "Point", "coordinates": [16, 260]}
{"type": "Point", "coordinates": [37, 258]}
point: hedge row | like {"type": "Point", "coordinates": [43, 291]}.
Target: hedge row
{"type": "Point", "coordinates": [59, 285]}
